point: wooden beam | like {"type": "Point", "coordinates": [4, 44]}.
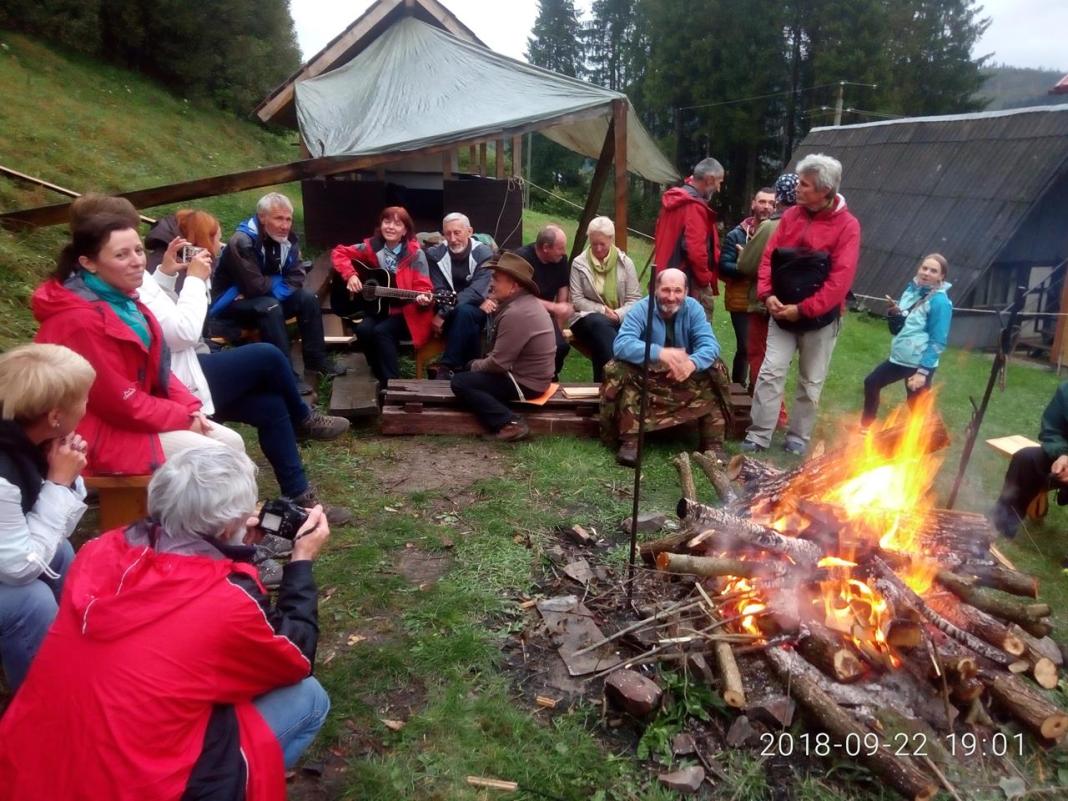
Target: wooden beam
{"type": "Point", "coordinates": [282, 173]}
{"type": "Point", "coordinates": [517, 156]}
{"type": "Point", "coordinates": [482, 159]}
{"type": "Point", "coordinates": [593, 199]}
{"type": "Point", "coordinates": [619, 122]}
{"type": "Point", "coordinates": [446, 165]}
{"type": "Point", "coordinates": [498, 152]}
{"type": "Point", "coordinates": [472, 157]}
{"type": "Point", "coordinates": [1058, 354]}
{"type": "Point", "coordinates": [29, 179]}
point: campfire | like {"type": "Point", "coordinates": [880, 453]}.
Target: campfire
{"type": "Point", "coordinates": [865, 599]}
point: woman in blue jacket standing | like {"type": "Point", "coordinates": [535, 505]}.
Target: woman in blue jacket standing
{"type": "Point", "coordinates": [920, 323]}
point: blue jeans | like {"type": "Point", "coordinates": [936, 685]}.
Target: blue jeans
{"type": "Point", "coordinates": [295, 714]}
{"type": "Point", "coordinates": [269, 316]}
{"type": "Point", "coordinates": [254, 384]}
{"type": "Point", "coordinates": [463, 335]}
{"type": "Point", "coordinates": [26, 612]}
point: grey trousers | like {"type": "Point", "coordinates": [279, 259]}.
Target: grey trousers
{"type": "Point", "coordinates": [814, 349]}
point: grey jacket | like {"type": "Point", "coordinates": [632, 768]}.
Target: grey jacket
{"type": "Point", "coordinates": [585, 298]}
{"type": "Point", "coordinates": [523, 343]}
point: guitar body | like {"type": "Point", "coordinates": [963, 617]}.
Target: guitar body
{"type": "Point", "coordinates": [379, 293]}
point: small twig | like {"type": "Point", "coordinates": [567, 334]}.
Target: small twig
{"type": "Point", "coordinates": [676, 607]}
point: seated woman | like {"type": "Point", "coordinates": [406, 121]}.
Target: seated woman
{"type": "Point", "coordinates": [604, 285]}
{"type": "Point", "coordinates": [43, 392]}
{"type": "Point", "coordinates": [920, 322]}
{"type": "Point", "coordinates": [393, 249]}
{"type": "Point", "coordinates": [138, 412]}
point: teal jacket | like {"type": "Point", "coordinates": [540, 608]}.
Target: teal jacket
{"type": "Point", "coordinates": [692, 332]}
{"type": "Point", "coordinates": [1054, 432]}
{"type": "Point", "coordinates": [926, 331]}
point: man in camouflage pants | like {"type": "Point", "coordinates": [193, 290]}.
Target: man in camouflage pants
{"type": "Point", "coordinates": [687, 379]}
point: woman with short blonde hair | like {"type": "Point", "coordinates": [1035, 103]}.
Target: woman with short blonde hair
{"type": "Point", "coordinates": [43, 392]}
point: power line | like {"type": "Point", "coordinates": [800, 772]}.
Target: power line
{"type": "Point", "coordinates": [776, 94]}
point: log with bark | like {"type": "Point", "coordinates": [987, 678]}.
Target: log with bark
{"type": "Point", "coordinates": [717, 477]}
{"type": "Point", "coordinates": [733, 690]}
{"type": "Point", "coordinates": [1033, 710]}
{"type": "Point", "coordinates": [672, 542]}
{"type": "Point", "coordinates": [745, 469]}
{"type": "Point", "coordinates": [746, 532]}
{"type": "Point", "coordinates": [900, 772]}
{"type": "Point", "coordinates": [1038, 646]}
{"type": "Point", "coordinates": [716, 566]}
{"type": "Point", "coordinates": [999, 577]}
{"type": "Point", "coordinates": [1000, 606]}
{"type": "Point", "coordinates": [827, 651]}
{"type": "Point", "coordinates": [686, 483]}
{"type": "Point", "coordinates": [976, 622]}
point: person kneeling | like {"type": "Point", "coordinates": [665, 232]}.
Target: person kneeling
{"type": "Point", "coordinates": [522, 354]}
{"type": "Point", "coordinates": [687, 380]}
{"type": "Point", "coordinates": [164, 626]}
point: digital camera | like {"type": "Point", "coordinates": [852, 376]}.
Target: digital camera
{"type": "Point", "coordinates": [282, 518]}
{"type": "Point", "coordinates": [187, 252]}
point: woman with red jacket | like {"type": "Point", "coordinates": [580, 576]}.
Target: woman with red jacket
{"type": "Point", "coordinates": [138, 412]}
{"type": "Point", "coordinates": [393, 248]}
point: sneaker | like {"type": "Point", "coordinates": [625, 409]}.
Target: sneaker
{"type": "Point", "coordinates": [627, 455]}
{"type": "Point", "coordinates": [748, 446]}
{"type": "Point", "coordinates": [321, 426]}
{"type": "Point", "coordinates": [335, 515]}
{"type": "Point", "coordinates": [795, 446]}
{"type": "Point", "coordinates": [512, 431]}
{"type": "Point", "coordinates": [273, 546]}
{"type": "Point", "coordinates": [330, 369]}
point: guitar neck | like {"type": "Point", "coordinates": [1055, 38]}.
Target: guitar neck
{"type": "Point", "coordinates": [405, 294]}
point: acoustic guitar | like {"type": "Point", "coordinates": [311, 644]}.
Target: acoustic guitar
{"type": "Point", "coordinates": [378, 293]}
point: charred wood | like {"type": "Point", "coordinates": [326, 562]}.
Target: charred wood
{"type": "Point", "coordinates": [746, 531]}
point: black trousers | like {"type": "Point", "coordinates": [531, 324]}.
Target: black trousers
{"type": "Point", "coordinates": [598, 333]}
{"type": "Point", "coordinates": [269, 315]}
{"type": "Point", "coordinates": [883, 375]}
{"type": "Point", "coordinates": [562, 349]}
{"type": "Point", "coordinates": [486, 394]}
{"type": "Point", "coordinates": [1028, 475]}
{"type": "Point", "coordinates": [379, 338]}
{"type": "Point", "coordinates": [740, 365]}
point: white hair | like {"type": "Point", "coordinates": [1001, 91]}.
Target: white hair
{"type": "Point", "coordinates": [273, 200]}
{"type": "Point", "coordinates": [825, 171]}
{"type": "Point", "coordinates": [456, 217]}
{"type": "Point", "coordinates": [602, 225]}
{"type": "Point", "coordinates": [203, 491]}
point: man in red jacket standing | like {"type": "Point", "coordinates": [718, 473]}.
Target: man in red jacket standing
{"type": "Point", "coordinates": [686, 237]}
{"type": "Point", "coordinates": [804, 276]}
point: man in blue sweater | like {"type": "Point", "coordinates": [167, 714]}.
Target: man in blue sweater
{"type": "Point", "coordinates": [687, 380]}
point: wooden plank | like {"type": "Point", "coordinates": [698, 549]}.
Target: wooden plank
{"type": "Point", "coordinates": [472, 157]}
{"type": "Point", "coordinates": [446, 165]}
{"type": "Point", "coordinates": [433, 420]}
{"type": "Point", "coordinates": [123, 499]}
{"type": "Point", "coordinates": [354, 394]}
{"type": "Point", "coordinates": [1007, 446]}
{"type": "Point", "coordinates": [619, 118]}
{"type": "Point", "coordinates": [482, 160]}
{"type": "Point", "coordinates": [517, 156]}
{"type": "Point", "coordinates": [498, 155]}
{"type": "Point", "coordinates": [593, 199]}
{"type": "Point", "coordinates": [318, 279]}
{"type": "Point", "coordinates": [438, 392]}
{"type": "Point", "coordinates": [30, 179]}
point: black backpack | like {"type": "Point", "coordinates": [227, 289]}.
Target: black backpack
{"type": "Point", "coordinates": [797, 274]}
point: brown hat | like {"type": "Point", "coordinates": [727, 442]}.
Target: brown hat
{"type": "Point", "coordinates": [518, 268]}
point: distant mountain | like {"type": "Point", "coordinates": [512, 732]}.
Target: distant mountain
{"type": "Point", "coordinates": [1019, 87]}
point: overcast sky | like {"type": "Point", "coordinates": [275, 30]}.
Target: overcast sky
{"type": "Point", "coordinates": [1023, 33]}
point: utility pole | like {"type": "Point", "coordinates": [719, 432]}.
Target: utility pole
{"type": "Point", "coordinates": [838, 104]}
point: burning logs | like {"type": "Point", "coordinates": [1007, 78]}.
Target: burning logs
{"type": "Point", "coordinates": [745, 469]}
{"type": "Point", "coordinates": [746, 532]}
{"type": "Point", "coordinates": [825, 650]}
{"type": "Point", "coordinates": [977, 622]}
{"type": "Point", "coordinates": [713, 566]}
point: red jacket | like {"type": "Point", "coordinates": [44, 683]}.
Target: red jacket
{"type": "Point", "coordinates": [419, 318]}
{"type": "Point", "coordinates": [135, 396]}
{"type": "Point", "coordinates": [834, 230]}
{"type": "Point", "coordinates": [117, 701]}
{"type": "Point", "coordinates": [685, 230]}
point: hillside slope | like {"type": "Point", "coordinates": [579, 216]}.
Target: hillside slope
{"type": "Point", "coordinates": [88, 126]}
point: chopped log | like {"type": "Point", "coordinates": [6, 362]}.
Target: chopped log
{"type": "Point", "coordinates": [493, 784]}
{"type": "Point", "coordinates": [802, 552]}
{"type": "Point", "coordinates": [977, 622]}
{"type": "Point", "coordinates": [904, 633]}
{"type": "Point", "coordinates": [686, 484]}
{"type": "Point", "coordinates": [1002, 578]}
{"type": "Point", "coordinates": [1045, 673]}
{"type": "Point", "coordinates": [714, 566]}
{"type": "Point", "coordinates": [901, 772]}
{"type": "Point", "coordinates": [999, 606]}
{"type": "Point", "coordinates": [967, 690]}
{"type": "Point", "coordinates": [733, 690]}
{"type": "Point", "coordinates": [746, 469]}
{"type": "Point", "coordinates": [1038, 714]}
{"type": "Point", "coordinates": [826, 650]}
{"type": "Point", "coordinates": [716, 477]}
{"type": "Point", "coordinates": [1037, 628]}
{"type": "Point", "coordinates": [1038, 646]}
{"type": "Point", "coordinates": [650, 550]}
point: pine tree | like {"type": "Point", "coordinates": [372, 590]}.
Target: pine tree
{"type": "Point", "coordinates": [613, 44]}
{"type": "Point", "coordinates": [555, 41]}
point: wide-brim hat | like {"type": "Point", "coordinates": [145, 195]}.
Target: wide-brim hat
{"type": "Point", "coordinates": [518, 268]}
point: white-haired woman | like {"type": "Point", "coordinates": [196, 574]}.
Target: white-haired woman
{"type": "Point", "coordinates": [604, 285]}
{"type": "Point", "coordinates": [43, 393]}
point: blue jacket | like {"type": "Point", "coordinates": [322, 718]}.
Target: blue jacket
{"type": "Point", "coordinates": [926, 331]}
{"type": "Point", "coordinates": [692, 332]}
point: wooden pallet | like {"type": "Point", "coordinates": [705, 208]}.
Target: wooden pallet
{"type": "Point", "coordinates": [354, 394]}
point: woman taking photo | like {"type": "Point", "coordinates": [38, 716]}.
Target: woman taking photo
{"type": "Point", "coordinates": [393, 249]}
{"type": "Point", "coordinates": [604, 285]}
{"type": "Point", "coordinates": [920, 323]}
{"type": "Point", "coordinates": [43, 392]}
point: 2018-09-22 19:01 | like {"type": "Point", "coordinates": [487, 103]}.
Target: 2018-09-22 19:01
{"type": "Point", "coordinates": [915, 744]}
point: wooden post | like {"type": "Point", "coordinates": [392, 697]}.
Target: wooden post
{"type": "Point", "coordinates": [593, 199]}
{"type": "Point", "coordinates": [482, 160]}
{"type": "Point", "coordinates": [619, 120]}
{"type": "Point", "coordinates": [446, 165]}
{"type": "Point", "coordinates": [1057, 355]}
{"type": "Point", "coordinates": [498, 152]}
{"type": "Point", "coordinates": [472, 158]}
{"type": "Point", "coordinates": [517, 156]}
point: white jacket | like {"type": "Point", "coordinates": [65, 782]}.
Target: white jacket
{"type": "Point", "coordinates": [182, 323]}
{"type": "Point", "coordinates": [28, 542]}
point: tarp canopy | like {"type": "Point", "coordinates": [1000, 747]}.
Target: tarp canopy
{"type": "Point", "coordinates": [417, 86]}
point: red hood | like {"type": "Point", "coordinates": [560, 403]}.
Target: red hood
{"type": "Point", "coordinates": [679, 196]}
{"type": "Point", "coordinates": [116, 588]}
{"type": "Point", "coordinates": [52, 298]}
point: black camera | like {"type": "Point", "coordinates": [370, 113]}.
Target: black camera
{"type": "Point", "coordinates": [187, 253]}
{"type": "Point", "coordinates": [282, 518]}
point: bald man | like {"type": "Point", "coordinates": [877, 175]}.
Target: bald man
{"type": "Point", "coordinates": [687, 379]}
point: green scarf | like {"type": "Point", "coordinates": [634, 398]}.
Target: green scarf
{"type": "Point", "coordinates": [122, 304]}
{"type": "Point", "coordinates": [604, 275]}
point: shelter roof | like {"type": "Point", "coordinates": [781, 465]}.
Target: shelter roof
{"type": "Point", "coordinates": [1061, 87]}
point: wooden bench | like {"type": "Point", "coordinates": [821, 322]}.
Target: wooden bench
{"type": "Point", "coordinates": [1007, 446]}
{"type": "Point", "coordinates": [123, 499]}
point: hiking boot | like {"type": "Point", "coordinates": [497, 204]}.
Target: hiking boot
{"type": "Point", "coordinates": [748, 446]}
{"type": "Point", "coordinates": [442, 372]}
{"type": "Point", "coordinates": [794, 446]}
{"type": "Point", "coordinates": [321, 426]}
{"type": "Point", "coordinates": [274, 546]}
{"type": "Point", "coordinates": [331, 369]}
{"type": "Point", "coordinates": [513, 430]}
{"type": "Point", "coordinates": [335, 515]}
{"type": "Point", "coordinates": [627, 455]}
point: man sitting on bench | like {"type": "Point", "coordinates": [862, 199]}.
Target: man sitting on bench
{"type": "Point", "coordinates": [1036, 469]}
{"type": "Point", "coordinates": [687, 380]}
{"type": "Point", "coordinates": [522, 354]}
{"type": "Point", "coordinates": [457, 264]}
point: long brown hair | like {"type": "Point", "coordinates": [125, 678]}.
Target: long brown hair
{"type": "Point", "coordinates": [401, 215]}
{"type": "Point", "coordinates": [88, 237]}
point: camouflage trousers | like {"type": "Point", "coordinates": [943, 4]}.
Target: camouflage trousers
{"type": "Point", "coordinates": [703, 397]}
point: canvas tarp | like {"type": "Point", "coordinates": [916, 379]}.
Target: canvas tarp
{"type": "Point", "coordinates": [417, 86]}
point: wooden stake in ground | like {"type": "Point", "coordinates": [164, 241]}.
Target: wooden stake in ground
{"type": "Point", "coordinates": [686, 483]}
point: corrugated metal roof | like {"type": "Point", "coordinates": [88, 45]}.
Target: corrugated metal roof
{"type": "Point", "coordinates": [962, 185]}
